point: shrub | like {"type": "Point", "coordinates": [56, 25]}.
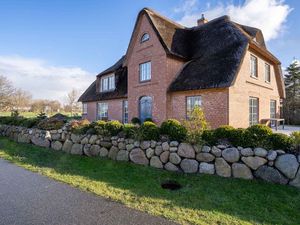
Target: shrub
{"type": "Point", "coordinates": [296, 140]}
{"type": "Point", "coordinates": [100, 127]}
{"type": "Point", "coordinates": [130, 130]}
{"type": "Point", "coordinates": [135, 120]}
{"type": "Point", "coordinates": [195, 125]}
{"type": "Point", "coordinates": [208, 136]}
{"type": "Point", "coordinates": [149, 131]}
{"type": "Point", "coordinates": [41, 116]}
{"type": "Point", "coordinates": [238, 137]}
{"type": "Point", "coordinates": [224, 132]}
{"type": "Point", "coordinates": [80, 126]}
{"type": "Point", "coordinates": [30, 122]}
{"type": "Point", "coordinates": [149, 120]}
{"type": "Point", "coordinates": [14, 113]}
{"type": "Point", "coordinates": [258, 135]}
{"type": "Point", "coordinates": [280, 141]}
{"type": "Point", "coordinates": [174, 130]}
{"type": "Point", "coordinates": [114, 127]}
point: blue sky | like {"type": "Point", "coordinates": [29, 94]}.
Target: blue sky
{"type": "Point", "coordinates": [49, 43]}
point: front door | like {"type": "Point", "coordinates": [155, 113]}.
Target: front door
{"type": "Point", "coordinates": [145, 108]}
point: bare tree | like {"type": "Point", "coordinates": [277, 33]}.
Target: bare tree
{"type": "Point", "coordinates": [6, 92]}
{"type": "Point", "coordinates": [21, 100]}
{"type": "Point", "coordinates": [72, 98]}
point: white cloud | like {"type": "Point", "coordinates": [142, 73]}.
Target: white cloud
{"type": "Point", "coordinates": [42, 80]}
{"type": "Point", "coordinates": [267, 15]}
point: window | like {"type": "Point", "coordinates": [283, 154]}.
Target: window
{"type": "Point", "coordinates": [107, 83]}
{"type": "Point", "coordinates": [253, 66]}
{"type": "Point", "coordinates": [253, 111]}
{"type": "Point", "coordinates": [125, 111]}
{"type": "Point", "coordinates": [267, 73]}
{"type": "Point", "coordinates": [191, 103]}
{"type": "Point", "coordinates": [84, 108]}
{"type": "Point", "coordinates": [145, 71]}
{"type": "Point", "coordinates": [145, 108]}
{"type": "Point", "coordinates": [102, 111]}
{"type": "Point", "coordinates": [145, 37]}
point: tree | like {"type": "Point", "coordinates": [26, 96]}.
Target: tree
{"type": "Point", "coordinates": [292, 87]}
{"type": "Point", "coordinates": [21, 100]}
{"type": "Point", "coordinates": [6, 92]}
{"type": "Point", "coordinates": [72, 98]}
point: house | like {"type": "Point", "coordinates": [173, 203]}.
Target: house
{"type": "Point", "coordinates": [168, 69]}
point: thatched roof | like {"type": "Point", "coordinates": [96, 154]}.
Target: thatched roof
{"type": "Point", "coordinates": [213, 53]}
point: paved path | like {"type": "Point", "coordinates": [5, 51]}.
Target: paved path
{"type": "Point", "coordinates": [29, 198]}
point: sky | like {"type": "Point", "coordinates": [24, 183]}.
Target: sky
{"type": "Point", "coordinates": [50, 47]}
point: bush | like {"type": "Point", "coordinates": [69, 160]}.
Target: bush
{"type": "Point", "coordinates": [195, 125]}
{"type": "Point", "coordinates": [174, 130]}
{"type": "Point", "coordinates": [114, 127]}
{"type": "Point", "coordinates": [41, 116]}
{"type": "Point", "coordinates": [135, 120]}
{"type": "Point", "coordinates": [100, 127]}
{"type": "Point", "coordinates": [258, 135]}
{"type": "Point", "coordinates": [280, 141]}
{"type": "Point", "coordinates": [149, 120]}
{"type": "Point", "coordinates": [208, 136]}
{"type": "Point", "coordinates": [296, 140]}
{"type": "Point", "coordinates": [130, 130]}
{"type": "Point", "coordinates": [29, 122]}
{"type": "Point", "coordinates": [80, 126]}
{"type": "Point", "coordinates": [50, 124]}
{"type": "Point", "coordinates": [224, 132]}
{"type": "Point", "coordinates": [238, 137]}
{"type": "Point", "coordinates": [149, 131]}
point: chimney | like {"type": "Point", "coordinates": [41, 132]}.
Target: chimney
{"type": "Point", "coordinates": [202, 20]}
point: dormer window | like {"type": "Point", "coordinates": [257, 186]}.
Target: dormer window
{"type": "Point", "coordinates": [145, 37]}
{"type": "Point", "coordinates": [107, 83]}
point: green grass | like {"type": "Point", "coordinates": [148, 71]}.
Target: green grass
{"type": "Point", "coordinates": [203, 199]}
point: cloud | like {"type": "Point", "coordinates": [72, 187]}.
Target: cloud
{"type": "Point", "coordinates": [267, 15]}
{"type": "Point", "coordinates": [44, 81]}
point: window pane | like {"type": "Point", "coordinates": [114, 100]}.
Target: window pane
{"type": "Point", "coordinates": [191, 103]}
{"type": "Point", "coordinates": [102, 111]}
{"type": "Point", "coordinates": [267, 73]}
{"type": "Point", "coordinates": [253, 111]}
{"type": "Point", "coordinates": [145, 71]}
{"type": "Point", "coordinates": [253, 66]}
{"type": "Point", "coordinates": [145, 108]}
{"type": "Point", "coordinates": [125, 111]}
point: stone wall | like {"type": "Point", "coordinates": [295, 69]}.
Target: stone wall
{"type": "Point", "coordinates": [273, 166]}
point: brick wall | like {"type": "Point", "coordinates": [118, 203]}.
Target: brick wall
{"type": "Point", "coordinates": [246, 86]}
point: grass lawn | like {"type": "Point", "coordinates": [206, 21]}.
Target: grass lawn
{"type": "Point", "coordinates": [203, 199]}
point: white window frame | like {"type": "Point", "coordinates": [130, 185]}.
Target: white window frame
{"type": "Point", "coordinates": [267, 73]}
{"type": "Point", "coordinates": [145, 71]}
{"type": "Point", "coordinates": [253, 111]}
{"type": "Point", "coordinates": [107, 83]}
{"type": "Point", "coordinates": [84, 108]}
{"type": "Point", "coordinates": [253, 66]}
{"type": "Point", "coordinates": [102, 111]}
{"type": "Point", "coordinates": [125, 111]}
{"type": "Point", "coordinates": [145, 37]}
{"type": "Point", "coordinates": [192, 102]}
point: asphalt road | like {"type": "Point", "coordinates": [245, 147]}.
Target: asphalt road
{"type": "Point", "coordinates": [30, 198]}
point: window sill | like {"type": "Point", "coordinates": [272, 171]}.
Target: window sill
{"type": "Point", "coordinates": [107, 91]}
{"type": "Point", "coordinates": [145, 81]}
{"type": "Point", "coordinates": [256, 78]}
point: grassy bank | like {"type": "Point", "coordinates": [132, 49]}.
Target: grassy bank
{"type": "Point", "coordinates": [202, 200]}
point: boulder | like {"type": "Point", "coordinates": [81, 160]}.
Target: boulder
{"type": "Point", "coordinates": [67, 146]}
{"type": "Point", "coordinates": [42, 142]}
{"type": "Point", "coordinates": [260, 152]}
{"type": "Point", "coordinates": [56, 145]}
{"type": "Point", "coordinates": [186, 150]}
{"type": "Point", "coordinates": [189, 165]}
{"type": "Point", "coordinates": [23, 138]}
{"type": "Point", "coordinates": [197, 148]}
{"type": "Point", "coordinates": [122, 155]}
{"type": "Point", "coordinates": [165, 146]}
{"type": "Point", "coordinates": [149, 152]}
{"type": "Point", "coordinates": [155, 162]}
{"type": "Point", "coordinates": [85, 140]}
{"type": "Point", "coordinates": [94, 150]}
{"type": "Point", "coordinates": [296, 181]}
{"type": "Point", "coordinates": [247, 152]}
{"type": "Point", "coordinates": [280, 152]}
{"type": "Point", "coordinates": [93, 139]}
{"type": "Point", "coordinates": [205, 157]}
{"type": "Point", "coordinates": [288, 165]}
{"type": "Point", "coordinates": [145, 144]}
{"type": "Point", "coordinates": [254, 162]}
{"type": "Point", "coordinates": [164, 157]}
{"type": "Point", "coordinates": [153, 144]}
{"type": "Point", "coordinates": [55, 137]}
{"type": "Point", "coordinates": [174, 143]}
{"type": "Point", "coordinates": [222, 147]}
{"type": "Point", "coordinates": [129, 147]}
{"type": "Point", "coordinates": [216, 151]}
{"type": "Point", "coordinates": [173, 149]}
{"type": "Point", "coordinates": [113, 151]}
{"type": "Point", "coordinates": [272, 155]}
{"type": "Point", "coordinates": [75, 138]}
{"type": "Point", "coordinates": [206, 168]}
{"type": "Point", "coordinates": [205, 149]}
{"type": "Point", "coordinates": [138, 156]}
{"type": "Point", "coordinates": [158, 150]}
{"type": "Point", "coordinates": [105, 144]}
{"type": "Point", "coordinates": [86, 149]}
{"type": "Point", "coordinates": [171, 167]}
{"type": "Point", "coordinates": [223, 169]}
{"type": "Point", "coordinates": [77, 149]}
{"type": "Point", "coordinates": [121, 145]}
{"type": "Point", "coordinates": [231, 155]}
{"type": "Point", "coordinates": [174, 158]}
{"type": "Point", "coordinates": [242, 171]}
{"type": "Point", "coordinates": [270, 174]}
{"type": "Point", "coordinates": [103, 152]}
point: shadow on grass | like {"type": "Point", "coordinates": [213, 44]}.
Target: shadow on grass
{"type": "Point", "coordinates": [251, 201]}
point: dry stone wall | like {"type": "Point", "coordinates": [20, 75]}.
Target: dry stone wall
{"type": "Point", "coordinates": [274, 166]}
